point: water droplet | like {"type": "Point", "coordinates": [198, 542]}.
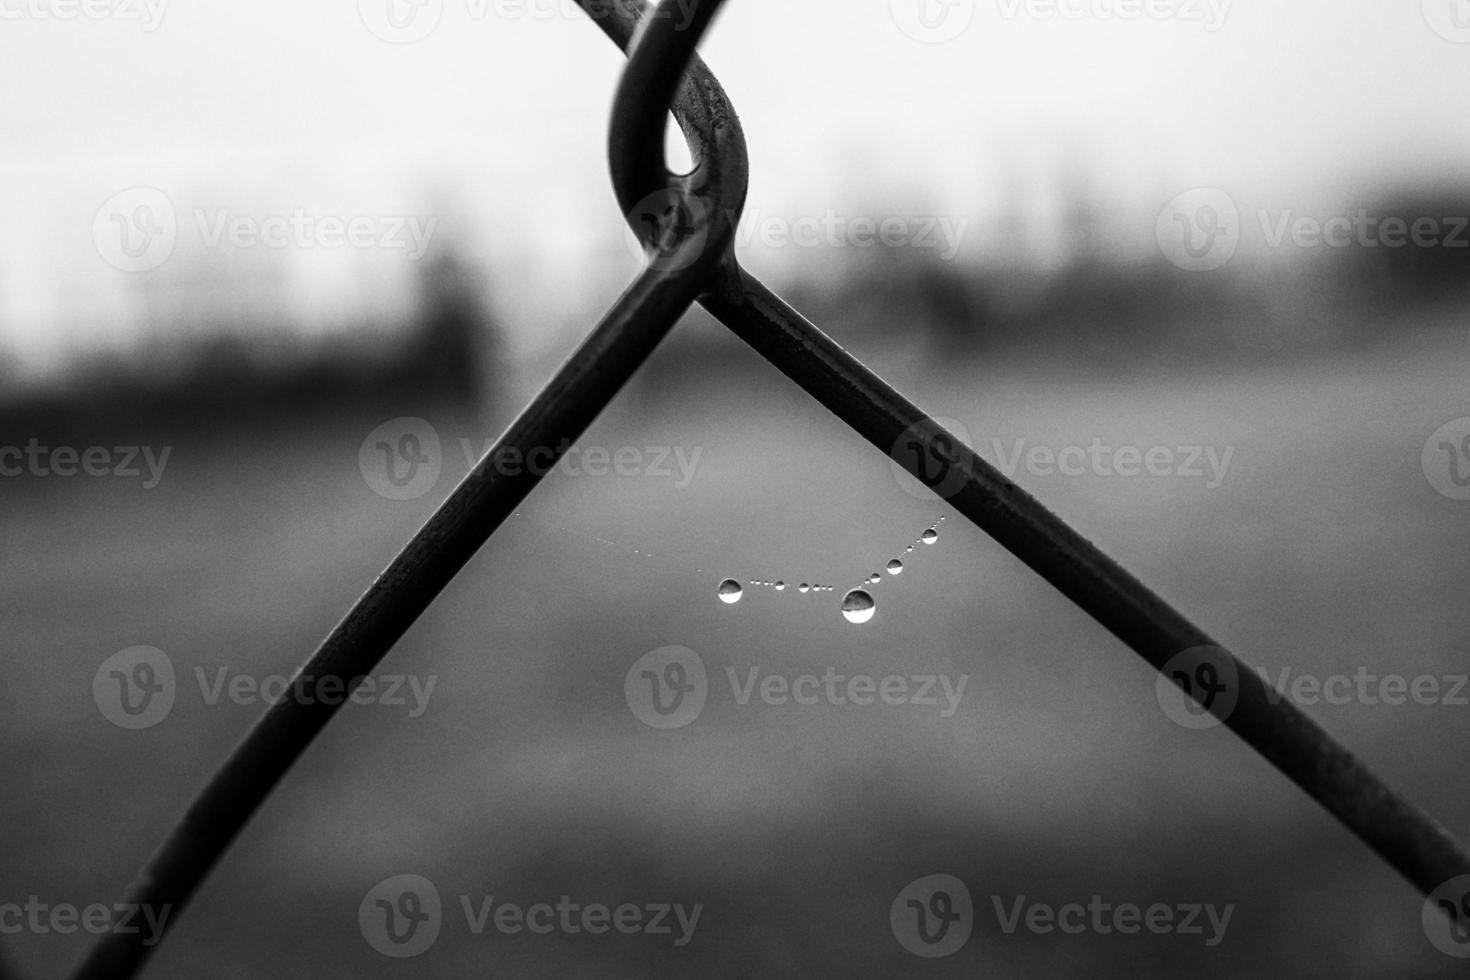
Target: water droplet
{"type": "Point", "coordinates": [874, 578]}
{"type": "Point", "coordinates": [858, 607]}
{"type": "Point", "coordinates": [930, 536]}
{"type": "Point", "coordinates": [730, 591]}
{"type": "Point", "coordinates": [803, 588]}
{"type": "Point", "coordinates": [780, 586]}
{"type": "Point", "coordinates": [895, 567]}
{"type": "Point", "coordinates": [908, 549]}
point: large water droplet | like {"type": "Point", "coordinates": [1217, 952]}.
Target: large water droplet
{"type": "Point", "coordinates": [780, 586]}
{"type": "Point", "coordinates": [895, 567]}
{"type": "Point", "coordinates": [803, 588]}
{"type": "Point", "coordinates": [930, 536]}
{"type": "Point", "coordinates": [858, 607]}
{"type": "Point", "coordinates": [730, 591]}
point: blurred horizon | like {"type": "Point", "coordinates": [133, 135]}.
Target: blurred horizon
{"type": "Point", "coordinates": [1017, 131]}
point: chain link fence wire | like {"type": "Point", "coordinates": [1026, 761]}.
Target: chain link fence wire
{"type": "Point", "coordinates": [687, 225]}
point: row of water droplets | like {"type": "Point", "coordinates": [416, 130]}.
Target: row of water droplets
{"type": "Point", "coordinates": [857, 605]}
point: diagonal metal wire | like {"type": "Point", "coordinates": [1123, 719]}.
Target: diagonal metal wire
{"type": "Point", "coordinates": [687, 224]}
{"type": "Point", "coordinates": [677, 269]}
{"type": "Point", "coordinates": [1404, 835]}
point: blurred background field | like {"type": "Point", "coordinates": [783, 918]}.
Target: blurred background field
{"type": "Point", "coordinates": [528, 778]}
{"type": "Point", "coordinates": [1060, 319]}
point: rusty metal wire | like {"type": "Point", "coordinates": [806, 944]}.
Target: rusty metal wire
{"type": "Point", "coordinates": [687, 224]}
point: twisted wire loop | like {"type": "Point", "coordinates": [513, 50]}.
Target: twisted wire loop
{"type": "Point", "coordinates": [686, 223]}
{"type": "Point", "coordinates": [680, 261]}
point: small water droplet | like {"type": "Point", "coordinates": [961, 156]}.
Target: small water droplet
{"type": "Point", "coordinates": [780, 586]}
{"type": "Point", "coordinates": [874, 578]}
{"type": "Point", "coordinates": [858, 607]}
{"type": "Point", "coordinates": [895, 567]}
{"type": "Point", "coordinates": [803, 587]}
{"type": "Point", "coordinates": [730, 591]}
{"type": "Point", "coordinates": [930, 536]}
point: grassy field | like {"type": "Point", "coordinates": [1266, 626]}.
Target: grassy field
{"type": "Point", "coordinates": [1323, 549]}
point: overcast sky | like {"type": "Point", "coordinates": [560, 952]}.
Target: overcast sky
{"type": "Point", "coordinates": [506, 101]}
